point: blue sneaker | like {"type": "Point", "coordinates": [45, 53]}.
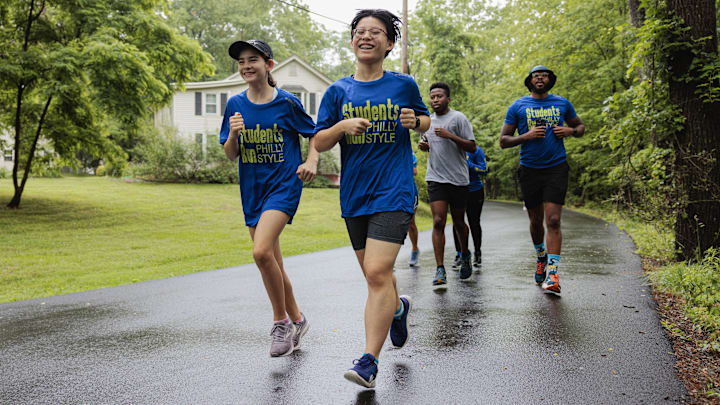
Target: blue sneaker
{"type": "Point", "coordinates": [414, 258]}
{"type": "Point", "coordinates": [440, 276]}
{"type": "Point", "coordinates": [399, 327]}
{"type": "Point", "coordinates": [465, 266]}
{"type": "Point", "coordinates": [540, 272]}
{"type": "Point", "coordinates": [364, 371]}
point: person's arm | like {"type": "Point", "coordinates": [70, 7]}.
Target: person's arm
{"type": "Point", "coordinates": [328, 137]}
{"type": "Point", "coordinates": [508, 140]}
{"type": "Point", "coordinates": [307, 171]}
{"type": "Point", "coordinates": [231, 147]}
{"type": "Point", "coordinates": [575, 128]}
{"type": "Point", "coordinates": [466, 145]}
{"type": "Point", "coordinates": [408, 120]}
{"type": "Point", "coordinates": [476, 166]}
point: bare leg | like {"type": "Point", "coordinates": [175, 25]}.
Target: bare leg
{"type": "Point", "coordinates": [439, 212]}
{"type": "Point", "coordinates": [266, 250]}
{"type": "Point", "coordinates": [413, 234]}
{"type": "Point", "coordinates": [553, 213]}
{"type": "Point", "coordinates": [377, 260]}
{"type": "Point", "coordinates": [460, 227]}
{"type": "Point", "coordinates": [537, 230]}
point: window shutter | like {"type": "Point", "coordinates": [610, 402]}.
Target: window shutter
{"type": "Point", "coordinates": [223, 102]}
{"type": "Point", "coordinates": [198, 103]}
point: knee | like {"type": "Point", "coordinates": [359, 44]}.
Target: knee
{"type": "Point", "coordinates": [438, 224]}
{"type": "Point", "coordinates": [263, 256]}
{"type": "Point", "coordinates": [553, 222]}
{"type": "Point", "coordinates": [377, 278]}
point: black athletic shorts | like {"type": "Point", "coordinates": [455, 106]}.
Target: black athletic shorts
{"type": "Point", "coordinates": [456, 196]}
{"type": "Point", "coordinates": [385, 226]}
{"type": "Point", "coordinates": [544, 185]}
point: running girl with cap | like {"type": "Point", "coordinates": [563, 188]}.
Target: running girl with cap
{"type": "Point", "coordinates": [261, 127]}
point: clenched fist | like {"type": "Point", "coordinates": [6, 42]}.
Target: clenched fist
{"type": "Point", "coordinates": [407, 118]}
{"type": "Point", "coordinates": [356, 126]}
{"type": "Point", "coordinates": [236, 124]}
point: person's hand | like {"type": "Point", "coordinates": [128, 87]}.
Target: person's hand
{"type": "Point", "coordinates": [424, 145]}
{"type": "Point", "coordinates": [537, 132]}
{"type": "Point", "coordinates": [236, 123]}
{"type": "Point", "coordinates": [356, 126]}
{"type": "Point", "coordinates": [562, 132]}
{"type": "Point", "coordinates": [443, 133]}
{"type": "Point", "coordinates": [307, 171]}
{"type": "Point", "coordinates": [407, 118]}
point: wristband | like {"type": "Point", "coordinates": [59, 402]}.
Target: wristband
{"type": "Point", "coordinates": [575, 132]}
{"type": "Point", "coordinates": [417, 122]}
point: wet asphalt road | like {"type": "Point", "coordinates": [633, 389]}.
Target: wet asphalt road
{"type": "Point", "coordinates": [204, 338]}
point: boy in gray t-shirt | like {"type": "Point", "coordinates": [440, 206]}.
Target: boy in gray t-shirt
{"type": "Point", "coordinates": [449, 137]}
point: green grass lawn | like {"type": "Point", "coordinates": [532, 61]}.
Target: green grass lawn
{"type": "Point", "coordinates": [80, 233]}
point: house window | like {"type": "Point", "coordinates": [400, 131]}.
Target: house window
{"type": "Point", "coordinates": [311, 107]}
{"type": "Point", "coordinates": [199, 139]}
{"type": "Point", "coordinates": [198, 103]}
{"type": "Point", "coordinates": [211, 104]}
{"type": "Point", "coordinates": [8, 155]}
{"type": "Point", "coordinates": [223, 102]}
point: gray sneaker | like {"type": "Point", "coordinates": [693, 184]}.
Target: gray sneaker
{"type": "Point", "coordinates": [282, 339]}
{"type": "Point", "coordinates": [300, 329]}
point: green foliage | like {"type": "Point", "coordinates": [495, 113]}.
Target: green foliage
{"type": "Point", "coordinates": [97, 68]}
{"type": "Point", "coordinates": [215, 24]}
{"type": "Point", "coordinates": [699, 286]}
{"type": "Point", "coordinates": [319, 182]}
{"type": "Point", "coordinates": [166, 158]}
{"type": "Point", "coordinates": [4, 173]}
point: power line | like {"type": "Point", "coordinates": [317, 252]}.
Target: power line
{"type": "Point", "coordinates": [312, 12]}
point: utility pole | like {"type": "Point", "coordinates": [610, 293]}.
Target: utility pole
{"type": "Point", "coordinates": [405, 67]}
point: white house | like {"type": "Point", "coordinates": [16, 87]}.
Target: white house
{"type": "Point", "coordinates": [7, 154]}
{"type": "Point", "coordinates": [196, 113]}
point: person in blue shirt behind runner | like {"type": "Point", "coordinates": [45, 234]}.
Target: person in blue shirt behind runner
{"type": "Point", "coordinates": [261, 126]}
{"type": "Point", "coordinates": [477, 169]}
{"type": "Point", "coordinates": [543, 121]}
{"type": "Point", "coordinates": [413, 231]}
{"type": "Point", "coordinates": [370, 114]}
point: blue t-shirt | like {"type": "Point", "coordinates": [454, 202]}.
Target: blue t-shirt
{"type": "Point", "coordinates": [414, 165]}
{"type": "Point", "coordinates": [269, 152]}
{"type": "Point", "coordinates": [477, 168]}
{"type": "Point", "coordinates": [526, 113]}
{"type": "Point", "coordinates": [376, 171]}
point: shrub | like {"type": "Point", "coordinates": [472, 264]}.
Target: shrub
{"type": "Point", "coordinates": [699, 285]}
{"type": "Point", "coordinates": [100, 170]}
{"type": "Point", "coordinates": [4, 173]}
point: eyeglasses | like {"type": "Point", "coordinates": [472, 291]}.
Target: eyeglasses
{"type": "Point", "coordinates": [540, 74]}
{"type": "Point", "coordinates": [374, 32]}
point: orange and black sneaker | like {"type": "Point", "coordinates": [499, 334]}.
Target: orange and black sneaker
{"type": "Point", "coordinates": [540, 271]}
{"type": "Point", "coordinates": [552, 282]}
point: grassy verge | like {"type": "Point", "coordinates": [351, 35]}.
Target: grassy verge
{"type": "Point", "coordinates": [80, 233]}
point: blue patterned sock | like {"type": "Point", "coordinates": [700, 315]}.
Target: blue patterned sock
{"type": "Point", "coordinates": [553, 261]}
{"type": "Point", "coordinates": [540, 250]}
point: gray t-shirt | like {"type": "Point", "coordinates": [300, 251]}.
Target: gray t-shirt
{"type": "Point", "coordinates": [446, 163]}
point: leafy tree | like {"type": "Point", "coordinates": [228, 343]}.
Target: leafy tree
{"type": "Point", "coordinates": [215, 24]}
{"type": "Point", "coordinates": [81, 76]}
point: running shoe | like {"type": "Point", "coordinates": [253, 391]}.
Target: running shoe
{"type": "Point", "coordinates": [465, 267]}
{"type": "Point", "coordinates": [301, 329]}
{"type": "Point", "coordinates": [399, 327]}
{"type": "Point", "coordinates": [540, 270]}
{"type": "Point", "coordinates": [414, 258]}
{"type": "Point", "coordinates": [440, 276]}
{"type": "Point", "coordinates": [458, 261]}
{"type": "Point", "coordinates": [364, 371]}
{"type": "Point", "coordinates": [477, 261]}
{"type": "Point", "coordinates": [552, 282]}
{"type": "Point", "coordinates": [282, 339]}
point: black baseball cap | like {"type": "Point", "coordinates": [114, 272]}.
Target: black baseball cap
{"type": "Point", "coordinates": [256, 44]}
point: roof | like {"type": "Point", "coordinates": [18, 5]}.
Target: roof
{"type": "Point", "coordinates": [235, 79]}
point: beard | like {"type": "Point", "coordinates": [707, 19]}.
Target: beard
{"type": "Point", "coordinates": [539, 91]}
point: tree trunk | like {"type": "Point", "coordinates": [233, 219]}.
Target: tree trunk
{"type": "Point", "coordinates": [697, 145]}
{"type": "Point", "coordinates": [637, 14]}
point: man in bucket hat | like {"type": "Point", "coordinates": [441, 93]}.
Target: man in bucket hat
{"type": "Point", "coordinates": [543, 121]}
